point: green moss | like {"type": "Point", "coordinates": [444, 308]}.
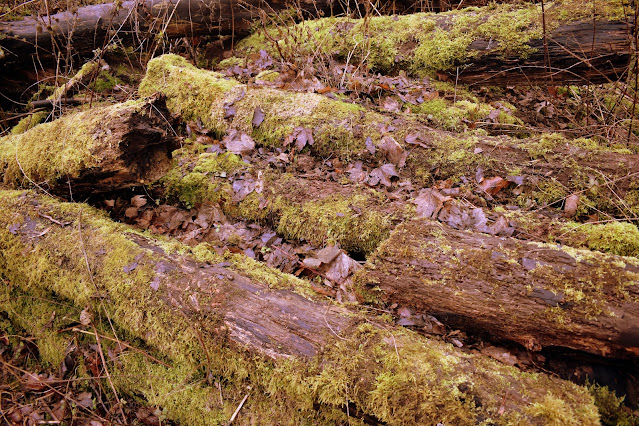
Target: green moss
{"type": "Point", "coordinates": [393, 375]}
{"type": "Point", "coordinates": [104, 82]}
{"type": "Point", "coordinates": [548, 192]}
{"type": "Point", "coordinates": [620, 238]}
{"type": "Point", "coordinates": [338, 127]}
{"type": "Point", "coordinates": [424, 42]}
{"type": "Point", "coordinates": [335, 220]}
{"type": "Point", "coordinates": [190, 92]}
{"type": "Point", "coordinates": [86, 71]}
{"type": "Point", "coordinates": [29, 122]}
{"type": "Point", "coordinates": [453, 157]}
{"type": "Point", "coordinates": [611, 407]}
{"type": "Point", "coordinates": [61, 148]}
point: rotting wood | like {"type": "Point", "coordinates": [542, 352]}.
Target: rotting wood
{"type": "Point", "coordinates": [252, 333]}
{"type": "Point", "coordinates": [469, 46]}
{"type": "Point", "coordinates": [474, 45]}
{"type": "Point", "coordinates": [532, 293]}
{"type": "Point", "coordinates": [96, 150]}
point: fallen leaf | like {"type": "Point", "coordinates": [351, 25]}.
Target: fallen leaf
{"type": "Point", "coordinates": [341, 268]}
{"type": "Point", "coordinates": [238, 143]}
{"type": "Point", "coordinates": [258, 116]}
{"type": "Point", "coordinates": [429, 202]}
{"type": "Point", "coordinates": [393, 151]}
{"type": "Point", "coordinates": [571, 205]}
{"type": "Point", "coordinates": [500, 354]}
{"type": "Point", "coordinates": [138, 201]}
{"type": "Point", "coordinates": [493, 185]}
{"type": "Point", "coordinates": [370, 146]}
{"type": "Point", "coordinates": [382, 174]}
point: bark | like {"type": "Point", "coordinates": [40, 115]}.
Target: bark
{"type": "Point", "coordinates": [101, 149]}
{"type": "Point", "coordinates": [267, 336]}
{"type": "Point", "coordinates": [580, 52]}
{"type": "Point", "coordinates": [535, 294]}
{"type": "Point", "coordinates": [576, 53]}
{"type": "Point", "coordinates": [82, 30]}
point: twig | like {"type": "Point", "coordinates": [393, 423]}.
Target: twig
{"type": "Point", "coordinates": [237, 410]}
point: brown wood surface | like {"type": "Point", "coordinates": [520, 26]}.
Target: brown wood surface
{"type": "Point", "coordinates": [535, 294]}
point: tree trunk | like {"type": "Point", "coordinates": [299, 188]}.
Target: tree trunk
{"type": "Point", "coordinates": [253, 331]}
{"type": "Point", "coordinates": [533, 293]}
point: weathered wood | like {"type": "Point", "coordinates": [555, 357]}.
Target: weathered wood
{"type": "Point", "coordinates": [100, 149]}
{"type": "Point", "coordinates": [495, 45]}
{"type": "Point", "coordinates": [82, 30]}
{"type": "Point", "coordinates": [313, 357]}
{"type": "Point", "coordinates": [572, 51]}
{"type": "Point", "coordinates": [533, 293]}
{"type": "Point", "coordinates": [577, 53]}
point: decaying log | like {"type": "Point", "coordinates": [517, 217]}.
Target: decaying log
{"type": "Point", "coordinates": [533, 293]}
{"type": "Point", "coordinates": [501, 44]}
{"type": "Point", "coordinates": [471, 46]}
{"type": "Point", "coordinates": [103, 148]}
{"type": "Point", "coordinates": [251, 330]}
{"type": "Point", "coordinates": [548, 167]}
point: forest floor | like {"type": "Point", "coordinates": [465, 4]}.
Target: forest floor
{"type": "Point", "coordinates": [32, 392]}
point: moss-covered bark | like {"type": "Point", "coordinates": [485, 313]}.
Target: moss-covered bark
{"type": "Point", "coordinates": [496, 44]}
{"type": "Point", "coordinates": [98, 149]}
{"type": "Point", "coordinates": [551, 166]}
{"type": "Point", "coordinates": [533, 293]}
{"type": "Point", "coordinates": [182, 306]}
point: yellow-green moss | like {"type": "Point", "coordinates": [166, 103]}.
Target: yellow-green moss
{"type": "Point", "coordinates": [338, 127]}
{"type": "Point", "coordinates": [355, 222]}
{"type": "Point", "coordinates": [620, 238]}
{"type": "Point", "coordinates": [425, 42]}
{"type": "Point", "coordinates": [335, 220]}
{"type": "Point", "coordinates": [190, 92]}
{"type": "Point", "coordinates": [394, 375]}
{"type": "Point", "coordinates": [87, 70]}
{"type": "Point", "coordinates": [29, 122]}
{"type": "Point", "coordinates": [61, 148]}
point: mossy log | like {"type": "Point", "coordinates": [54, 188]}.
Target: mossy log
{"type": "Point", "coordinates": [572, 42]}
{"type": "Point", "coordinates": [535, 294]}
{"type": "Point", "coordinates": [249, 328]}
{"type": "Point", "coordinates": [550, 166]}
{"type": "Point", "coordinates": [99, 149]}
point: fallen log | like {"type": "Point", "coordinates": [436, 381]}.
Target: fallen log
{"type": "Point", "coordinates": [500, 44]}
{"type": "Point", "coordinates": [102, 148]}
{"type": "Point", "coordinates": [543, 170]}
{"type": "Point", "coordinates": [536, 294]}
{"type": "Point", "coordinates": [571, 45]}
{"type": "Point", "coordinates": [253, 331]}
{"type": "Point", "coordinates": [549, 167]}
